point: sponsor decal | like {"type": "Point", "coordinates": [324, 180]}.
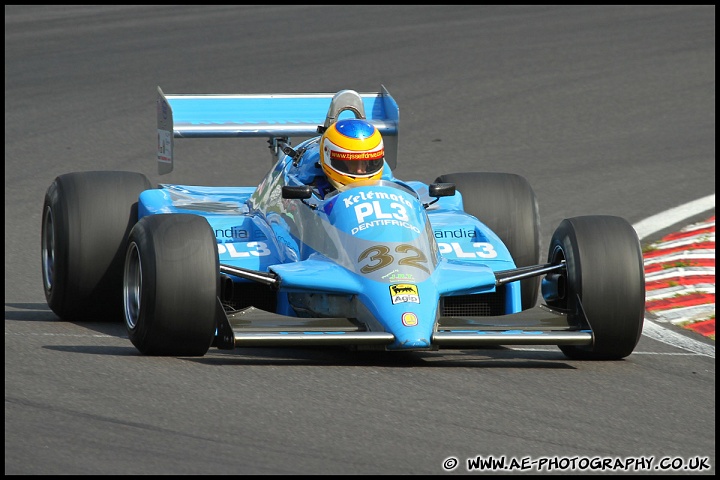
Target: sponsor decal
{"type": "Point", "coordinates": [232, 232]}
{"type": "Point", "coordinates": [457, 233]}
{"type": "Point", "coordinates": [404, 293]}
{"type": "Point", "coordinates": [236, 232]}
{"type": "Point", "coordinates": [396, 276]}
{"type": "Point", "coordinates": [351, 200]}
{"type": "Point", "coordinates": [384, 223]}
{"type": "Point", "coordinates": [243, 249]}
{"type": "Point", "coordinates": [370, 212]}
{"type": "Point", "coordinates": [409, 319]}
{"type": "Point", "coordinates": [164, 146]}
{"type": "Point", "coordinates": [338, 155]}
{"type": "Point", "coordinates": [480, 250]}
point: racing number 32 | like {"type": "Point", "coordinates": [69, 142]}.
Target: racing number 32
{"type": "Point", "coordinates": [380, 254]}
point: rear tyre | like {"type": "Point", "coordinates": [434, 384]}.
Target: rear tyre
{"type": "Point", "coordinates": [606, 276]}
{"type": "Point", "coordinates": [86, 219]}
{"type": "Point", "coordinates": [506, 203]}
{"type": "Point", "coordinates": [171, 285]}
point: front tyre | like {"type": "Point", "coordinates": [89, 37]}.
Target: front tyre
{"type": "Point", "coordinates": [86, 220]}
{"type": "Point", "coordinates": [171, 284]}
{"type": "Point", "coordinates": [606, 279]}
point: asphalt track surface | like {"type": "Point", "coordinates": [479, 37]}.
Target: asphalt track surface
{"type": "Point", "coordinates": [605, 110]}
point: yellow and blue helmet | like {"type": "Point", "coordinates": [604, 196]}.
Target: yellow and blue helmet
{"type": "Point", "coordinates": [351, 150]}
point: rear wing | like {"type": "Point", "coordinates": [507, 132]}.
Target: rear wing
{"type": "Point", "coordinates": [274, 116]}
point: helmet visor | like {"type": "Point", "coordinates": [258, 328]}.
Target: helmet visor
{"type": "Point", "coordinates": [357, 163]}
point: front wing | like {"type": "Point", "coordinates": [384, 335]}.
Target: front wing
{"type": "Point", "coordinates": [252, 327]}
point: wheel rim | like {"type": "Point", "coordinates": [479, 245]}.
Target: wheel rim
{"type": "Point", "coordinates": [48, 249]}
{"type": "Point", "coordinates": [132, 286]}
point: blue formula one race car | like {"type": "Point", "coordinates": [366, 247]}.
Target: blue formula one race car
{"type": "Point", "coordinates": [307, 258]}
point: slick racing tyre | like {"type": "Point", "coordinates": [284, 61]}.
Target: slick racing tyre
{"type": "Point", "coordinates": [86, 220]}
{"type": "Point", "coordinates": [506, 203]}
{"type": "Point", "coordinates": [171, 285]}
{"type": "Point", "coordinates": [605, 283]}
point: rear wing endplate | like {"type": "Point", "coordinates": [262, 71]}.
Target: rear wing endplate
{"type": "Point", "coordinates": [271, 116]}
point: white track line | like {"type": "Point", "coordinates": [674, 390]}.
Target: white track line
{"type": "Point", "coordinates": [663, 220]}
{"type": "Point", "coordinates": [662, 334]}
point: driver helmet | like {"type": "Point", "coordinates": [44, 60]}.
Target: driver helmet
{"type": "Point", "coordinates": [351, 150]}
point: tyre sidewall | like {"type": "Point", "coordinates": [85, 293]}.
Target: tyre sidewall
{"type": "Point", "coordinates": [180, 285]}
{"type": "Point", "coordinates": [605, 271]}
